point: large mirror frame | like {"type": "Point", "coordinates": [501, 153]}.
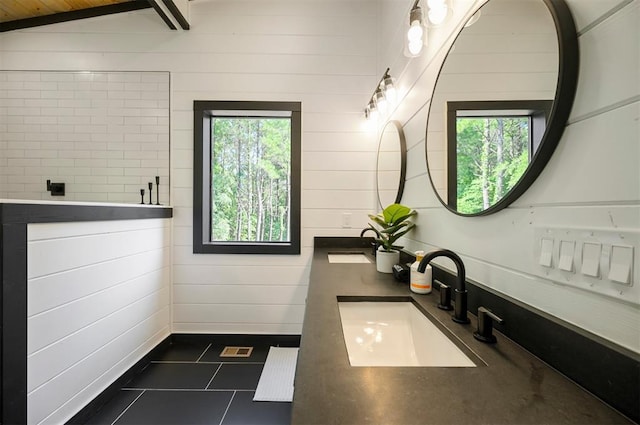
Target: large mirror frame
{"type": "Point", "coordinates": [568, 63]}
{"type": "Point", "coordinates": [391, 164]}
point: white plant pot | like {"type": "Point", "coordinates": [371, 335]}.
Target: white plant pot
{"type": "Point", "coordinates": [386, 259]}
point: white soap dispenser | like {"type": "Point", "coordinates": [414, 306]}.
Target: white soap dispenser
{"type": "Point", "coordinates": [420, 283]}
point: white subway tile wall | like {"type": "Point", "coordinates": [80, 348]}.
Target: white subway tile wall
{"type": "Point", "coordinates": [104, 134]}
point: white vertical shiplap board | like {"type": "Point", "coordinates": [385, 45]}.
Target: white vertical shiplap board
{"type": "Point", "coordinates": [592, 181]}
{"type": "Point", "coordinates": [98, 300]}
{"type": "Point", "coordinates": [318, 52]}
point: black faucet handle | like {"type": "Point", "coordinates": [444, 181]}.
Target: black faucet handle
{"type": "Point", "coordinates": [445, 296]}
{"type": "Point", "coordinates": [485, 325]}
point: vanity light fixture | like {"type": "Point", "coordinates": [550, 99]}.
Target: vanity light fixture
{"type": "Point", "coordinates": [382, 99]}
{"type": "Point", "coordinates": [416, 33]}
{"type": "Point", "coordinates": [437, 13]}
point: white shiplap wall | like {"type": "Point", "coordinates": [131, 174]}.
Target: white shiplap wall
{"type": "Point", "coordinates": [320, 52]}
{"type": "Point", "coordinates": [591, 182]}
{"type": "Point", "coordinates": [104, 134]}
{"type": "Point", "coordinates": [98, 300]}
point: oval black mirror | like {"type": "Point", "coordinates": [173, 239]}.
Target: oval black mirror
{"type": "Point", "coordinates": [500, 103]}
{"type": "Point", "coordinates": [391, 166]}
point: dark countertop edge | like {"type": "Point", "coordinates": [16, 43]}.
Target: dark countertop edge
{"type": "Point", "coordinates": [20, 213]}
{"type": "Point", "coordinates": [342, 242]}
{"type": "Point", "coordinates": [325, 292]}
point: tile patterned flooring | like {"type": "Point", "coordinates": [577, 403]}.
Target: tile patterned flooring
{"type": "Point", "coordinates": [190, 384]}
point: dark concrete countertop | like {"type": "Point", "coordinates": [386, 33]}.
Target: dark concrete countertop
{"type": "Point", "coordinates": [514, 387]}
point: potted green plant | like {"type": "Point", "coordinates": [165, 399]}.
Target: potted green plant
{"type": "Point", "coordinates": [389, 225]}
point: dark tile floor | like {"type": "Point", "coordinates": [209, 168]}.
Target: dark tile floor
{"type": "Point", "coordinates": [191, 384]}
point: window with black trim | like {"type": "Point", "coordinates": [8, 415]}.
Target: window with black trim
{"type": "Point", "coordinates": [489, 147]}
{"type": "Point", "coordinates": [246, 187]}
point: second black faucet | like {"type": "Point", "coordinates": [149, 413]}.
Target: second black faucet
{"type": "Point", "coordinates": [460, 293]}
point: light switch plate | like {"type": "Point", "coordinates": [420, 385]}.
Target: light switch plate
{"type": "Point", "coordinates": [567, 249]}
{"type": "Point", "coordinates": [546, 252]}
{"type": "Point", "coordinates": [591, 253]}
{"type": "Point", "coordinates": [600, 261]}
{"type": "Point", "coordinates": [346, 220]}
{"type": "Point", "coordinates": [621, 264]}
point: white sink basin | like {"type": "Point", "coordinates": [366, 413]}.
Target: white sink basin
{"type": "Point", "coordinates": [396, 334]}
{"type": "Point", "coordinates": [348, 257]}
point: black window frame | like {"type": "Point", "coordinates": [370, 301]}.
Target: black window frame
{"type": "Point", "coordinates": [202, 113]}
{"type": "Point", "coordinates": [538, 112]}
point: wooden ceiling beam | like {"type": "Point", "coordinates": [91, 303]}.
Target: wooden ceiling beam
{"type": "Point", "coordinates": [172, 12]}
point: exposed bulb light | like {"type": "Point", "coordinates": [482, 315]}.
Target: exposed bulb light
{"type": "Point", "coordinates": [417, 33]}
{"type": "Point", "coordinates": [381, 101]}
{"type": "Point", "coordinates": [437, 16]}
{"type": "Point", "coordinates": [415, 47]}
{"type": "Point", "coordinates": [373, 111]}
{"type": "Point", "coordinates": [438, 11]}
{"type": "Point", "coordinates": [390, 91]}
{"type": "Point", "coordinates": [383, 98]}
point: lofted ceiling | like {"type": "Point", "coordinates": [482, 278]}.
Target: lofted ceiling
{"type": "Point", "coordinates": [17, 14]}
{"type": "Point", "coordinates": [13, 10]}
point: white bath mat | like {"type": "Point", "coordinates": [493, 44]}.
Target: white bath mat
{"type": "Point", "coordinates": [276, 380]}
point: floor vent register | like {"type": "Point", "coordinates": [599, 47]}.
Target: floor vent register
{"type": "Point", "coordinates": [236, 352]}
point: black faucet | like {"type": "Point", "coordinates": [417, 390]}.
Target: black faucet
{"type": "Point", "coordinates": [460, 293]}
{"type": "Point", "coordinates": [374, 244]}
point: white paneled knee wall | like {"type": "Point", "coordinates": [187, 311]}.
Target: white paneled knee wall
{"type": "Point", "coordinates": [98, 300]}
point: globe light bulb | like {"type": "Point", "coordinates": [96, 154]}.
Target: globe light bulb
{"type": "Point", "coordinates": [373, 111]}
{"type": "Point", "coordinates": [390, 91]}
{"type": "Point", "coordinates": [437, 15]}
{"type": "Point", "coordinates": [381, 102]}
{"type": "Point", "coordinates": [415, 47]}
{"type": "Point", "coordinates": [415, 32]}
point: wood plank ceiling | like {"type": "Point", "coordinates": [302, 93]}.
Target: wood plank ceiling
{"type": "Point", "coordinates": [13, 10]}
{"type": "Point", "coordinates": [17, 14]}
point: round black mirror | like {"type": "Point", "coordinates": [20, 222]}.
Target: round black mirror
{"type": "Point", "coordinates": [500, 103]}
{"type": "Point", "coordinates": [391, 165]}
